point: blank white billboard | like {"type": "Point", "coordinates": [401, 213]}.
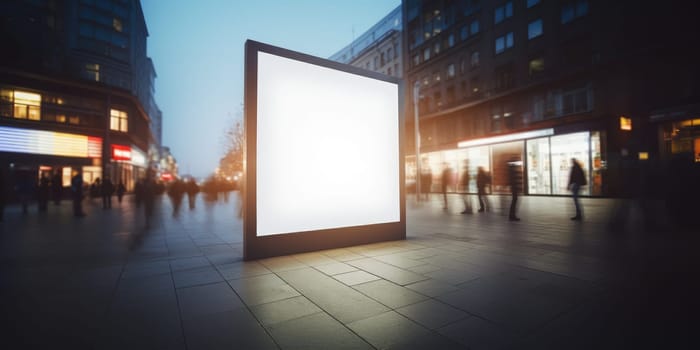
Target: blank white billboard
{"type": "Point", "coordinates": [327, 148]}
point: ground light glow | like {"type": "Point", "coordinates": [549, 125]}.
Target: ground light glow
{"type": "Point", "coordinates": [327, 148]}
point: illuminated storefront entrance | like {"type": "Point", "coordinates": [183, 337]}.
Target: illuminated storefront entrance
{"type": "Point", "coordinates": [545, 157]}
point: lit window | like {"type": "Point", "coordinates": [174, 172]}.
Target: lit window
{"type": "Point", "coordinates": [536, 65]}
{"type": "Point", "coordinates": [74, 120]}
{"type": "Point", "coordinates": [534, 29]}
{"type": "Point", "coordinates": [27, 105]}
{"type": "Point", "coordinates": [117, 25]}
{"type": "Point", "coordinates": [451, 40]}
{"type": "Point", "coordinates": [437, 48]}
{"type": "Point", "coordinates": [426, 54]}
{"type": "Point", "coordinates": [119, 120]}
{"type": "Point", "coordinates": [625, 123]}
{"type": "Point", "coordinates": [436, 77]}
{"type": "Point", "coordinates": [92, 71]}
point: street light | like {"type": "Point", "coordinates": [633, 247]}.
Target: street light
{"type": "Point", "coordinates": [416, 97]}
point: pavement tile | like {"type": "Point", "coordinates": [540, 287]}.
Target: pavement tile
{"type": "Point", "coordinates": [207, 299]}
{"type": "Point", "coordinates": [389, 272]}
{"type": "Point", "coordinates": [317, 331]}
{"type": "Point", "coordinates": [432, 314]}
{"type": "Point", "coordinates": [235, 329]}
{"type": "Point", "coordinates": [340, 301]}
{"type": "Point", "coordinates": [242, 269]}
{"type": "Point", "coordinates": [476, 333]}
{"type": "Point", "coordinates": [431, 288]}
{"type": "Point", "coordinates": [284, 310]}
{"type": "Point", "coordinates": [335, 268]}
{"type": "Point", "coordinates": [391, 330]}
{"type": "Point", "coordinates": [262, 289]}
{"type": "Point", "coordinates": [389, 294]}
{"type": "Point", "coordinates": [196, 276]}
{"type": "Point", "coordinates": [355, 277]}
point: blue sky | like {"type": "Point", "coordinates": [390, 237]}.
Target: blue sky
{"type": "Point", "coordinates": [197, 48]}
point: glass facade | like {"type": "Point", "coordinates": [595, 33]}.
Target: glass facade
{"type": "Point", "coordinates": [545, 162]}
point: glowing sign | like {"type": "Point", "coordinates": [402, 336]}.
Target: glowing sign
{"type": "Point", "coordinates": [506, 138]}
{"type": "Point", "coordinates": [49, 142]}
{"type": "Point", "coordinates": [625, 123]}
{"type": "Point", "coordinates": [120, 152]}
{"type": "Point", "coordinates": [137, 157]}
{"type": "Point", "coordinates": [323, 149]}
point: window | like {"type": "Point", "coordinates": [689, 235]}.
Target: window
{"type": "Point", "coordinates": [572, 10]}
{"type": "Point", "coordinates": [474, 27]}
{"type": "Point", "coordinates": [463, 33]}
{"type": "Point", "coordinates": [27, 105]}
{"type": "Point", "coordinates": [92, 71]}
{"type": "Point", "coordinates": [476, 85]}
{"type": "Point", "coordinates": [436, 77]}
{"type": "Point", "coordinates": [451, 40]}
{"type": "Point", "coordinates": [475, 59]}
{"type": "Point", "coordinates": [503, 78]}
{"type": "Point", "coordinates": [534, 29]}
{"type": "Point", "coordinates": [426, 54]}
{"type": "Point", "coordinates": [531, 3]}
{"type": "Point", "coordinates": [117, 25]}
{"type": "Point", "coordinates": [463, 66]}
{"type": "Point", "coordinates": [426, 81]}
{"type": "Point", "coordinates": [376, 62]}
{"type": "Point", "coordinates": [437, 48]}
{"type": "Point", "coordinates": [503, 12]}
{"type": "Point", "coordinates": [119, 120]}
{"type": "Point", "coordinates": [416, 60]}
{"type": "Point", "coordinates": [451, 70]}
{"type": "Point", "coordinates": [504, 42]}
{"type": "Point", "coordinates": [382, 59]}
{"type": "Point", "coordinates": [390, 54]}
{"type": "Point", "coordinates": [536, 65]}
{"type": "Point", "coordinates": [388, 71]}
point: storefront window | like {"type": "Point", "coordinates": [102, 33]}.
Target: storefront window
{"type": "Point", "coordinates": [501, 155]}
{"type": "Point", "coordinates": [563, 148]}
{"type": "Point", "coordinates": [539, 176]}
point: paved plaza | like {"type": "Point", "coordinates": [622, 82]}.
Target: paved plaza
{"type": "Point", "coordinates": [472, 281]}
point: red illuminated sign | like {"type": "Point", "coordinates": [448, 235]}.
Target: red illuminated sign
{"type": "Point", "coordinates": [120, 152]}
{"type": "Point", "coordinates": [166, 176]}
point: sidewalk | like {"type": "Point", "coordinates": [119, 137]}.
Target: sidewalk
{"type": "Point", "coordinates": [472, 281]}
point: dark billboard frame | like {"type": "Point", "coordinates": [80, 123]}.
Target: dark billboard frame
{"type": "Point", "coordinates": [256, 247]}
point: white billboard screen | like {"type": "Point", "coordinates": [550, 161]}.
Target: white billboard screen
{"type": "Point", "coordinates": [327, 148]}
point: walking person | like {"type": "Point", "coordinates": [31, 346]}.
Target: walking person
{"type": "Point", "coordinates": [576, 179]}
{"type": "Point", "coordinates": [482, 179]}
{"type": "Point", "coordinates": [426, 181]}
{"type": "Point", "coordinates": [192, 189]}
{"type": "Point", "coordinates": [464, 183]}
{"type": "Point", "coordinates": [43, 193]}
{"type": "Point", "coordinates": [446, 179]}
{"type": "Point", "coordinates": [26, 185]}
{"type": "Point", "coordinates": [56, 187]}
{"type": "Point", "coordinates": [77, 193]}
{"type": "Point", "coordinates": [107, 192]}
{"type": "Point", "coordinates": [120, 191]}
{"type": "Point", "coordinates": [148, 193]}
{"type": "Point", "coordinates": [514, 181]}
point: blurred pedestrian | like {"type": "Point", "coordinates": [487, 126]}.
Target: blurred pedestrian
{"type": "Point", "coordinates": [446, 179]}
{"type": "Point", "coordinates": [464, 183]}
{"type": "Point", "coordinates": [176, 192]}
{"type": "Point", "coordinates": [57, 187]}
{"type": "Point", "coordinates": [138, 192]}
{"type": "Point", "coordinates": [120, 191]}
{"type": "Point", "coordinates": [426, 181]}
{"type": "Point", "coordinates": [192, 190]}
{"type": "Point", "coordinates": [43, 193]}
{"type": "Point", "coordinates": [482, 180]}
{"type": "Point", "coordinates": [25, 189]}
{"type": "Point", "coordinates": [514, 180]}
{"type": "Point", "coordinates": [77, 193]}
{"type": "Point", "coordinates": [107, 192]}
{"type": "Point", "coordinates": [577, 178]}
{"type": "Point", "coordinates": [96, 188]}
{"type": "Point", "coordinates": [148, 192]}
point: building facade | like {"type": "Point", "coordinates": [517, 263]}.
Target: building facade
{"type": "Point", "coordinates": [77, 91]}
{"type": "Point", "coordinates": [538, 82]}
{"type": "Point", "coordinates": [378, 49]}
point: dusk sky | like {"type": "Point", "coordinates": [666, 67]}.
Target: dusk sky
{"type": "Point", "coordinates": [197, 48]}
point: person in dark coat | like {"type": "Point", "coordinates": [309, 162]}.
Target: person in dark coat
{"type": "Point", "coordinates": [120, 191]}
{"type": "Point", "coordinates": [446, 179]}
{"type": "Point", "coordinates": [426, 181]}
{"type": "Point", "coordinates": [77, 193]}
{"type": "Point", "coordinates": [464, 182]}
{"type": "Point", "coordinates": [192, 189]}
{"type": "Point", "coordinates": [57, 187]}
{"type": "Point", "coordinates": [107, 192]}
{"type": "Point", "coordinates": [176, 192]}
{"type": "Point", "coordinates": [43, 193]}
{"type": "Point", "coordinates": [26, 185]}
{"type": "Point", "coordinates": [514, 180]}
{"type": "Point", "coordinates": [576, 179]}
{"type": "Point", "coordinates": [482, 180]}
